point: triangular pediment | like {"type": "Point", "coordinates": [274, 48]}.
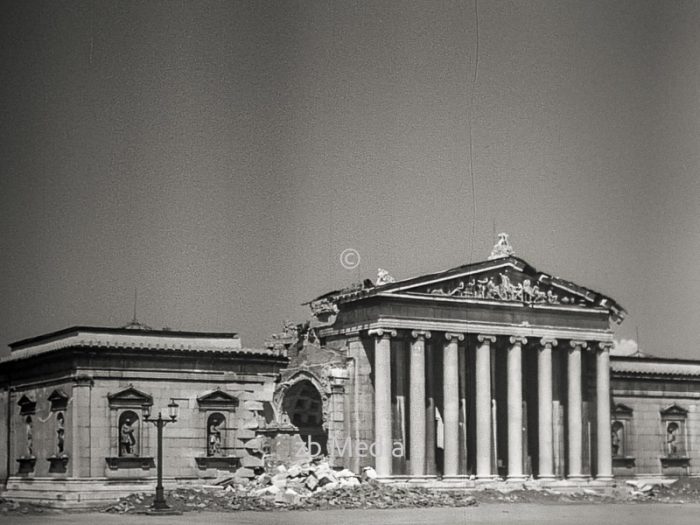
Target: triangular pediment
{"type": "Point", "coordinates": [674, 411]}
{"type": "Point", "coordinates": [217, 399]}
{"type": "Point", "coordinates": [58, 399]}
{"type": "Point", "coordinates": [507, 279]}
{"type": "Point", "coordinates": [622, 410]}
{"type": "Point", "coordinates": [27, 405]}
{"type": "Point", "coordinates": [130, 397]}
{"type": "Point", "coordinates": [502, 280]}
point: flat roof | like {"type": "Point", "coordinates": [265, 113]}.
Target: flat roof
{"type": "Point", "coordinates": [142, 338]}
{"type": "Point", "coordinates": [116, 331]}
{"type": "Point", "coordinates": [654, 366]}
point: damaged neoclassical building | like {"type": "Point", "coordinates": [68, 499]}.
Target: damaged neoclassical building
{"type": "Point", "coordinates": [491, 370]}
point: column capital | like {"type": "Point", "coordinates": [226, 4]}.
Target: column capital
{"type": "Point", "coordinates": [578, 344]}
{"type": "Point", "coordinates": [421, 334]}
{"type": "Point", "coordinates": [548, 341]}
{"type": "Point", "coordinates": [482, 338]}
{"type": "Point", "coordinates": [451, 336]}
{"type": "Point", "coordinates": [516, 339]}
{"type": "Point", "coordinates": [382, 332]}
{"type": "Point", "coordinates": [83, 380]}
{"type": "Point", "coordinates": [605, 346]}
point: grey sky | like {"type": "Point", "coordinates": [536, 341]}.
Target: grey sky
{"type": "Point", "coordinates": [219, 156]}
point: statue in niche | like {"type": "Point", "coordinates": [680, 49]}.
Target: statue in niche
{"type": "Point", "coordinates": [28, 428]}
{"type": "Point", "coordinates": [215, 424]}
{"type": "Point", "coordinates": [616, 439]}
{"type": "Point", "coordinates": [672, 438]}
{"type": "Point", "coordinates": [60, 433]}
{"type": "Point", "coordinates": [127, 435]}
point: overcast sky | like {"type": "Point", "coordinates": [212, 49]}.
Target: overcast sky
{"type": "Point", "coordinates": [219, 156]}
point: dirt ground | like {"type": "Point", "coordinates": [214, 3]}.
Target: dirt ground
{"type": "Point", "coordinates": [371, 495]}
{"type": "Point", "coordinates": [484, 514]}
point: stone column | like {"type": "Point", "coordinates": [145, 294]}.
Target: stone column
{"type": "Point", "coordinates": [574, 409]}
{"type": "Point", "coordinates": [603, 430]}
{"type": "Point", "coordinates": [417, 409]}
{"type": "Point", "coordinates": [382, 400]}
{"type": "Point", "coordinates": [483, 406]}
{"type": "Point", "coordinates": [450, 397]}
{"type": "Point", "coordinates": [515, 408]}
{"type": "Point", "coordinates": [430, 430]}
{"type": "Point", "coordinates": [544, 412]}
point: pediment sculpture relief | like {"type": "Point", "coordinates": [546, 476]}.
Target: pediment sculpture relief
{"type": "Point", "coordinates": [503, 289]}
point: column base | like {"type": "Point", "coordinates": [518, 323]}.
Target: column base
{"type": "Point", "coordinates": [488, 477]}
{"type": "Point", "coordinates": [607, 477]}
{"type": "Point", "coordinates": [517, 479]}
{"type": "Point", "coordinates": [578, 477]}
{"type": "Point", "coordinates": [546, 477]}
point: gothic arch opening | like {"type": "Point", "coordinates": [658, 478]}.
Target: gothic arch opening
{"type": "Point", "coordinates": [304, 406]}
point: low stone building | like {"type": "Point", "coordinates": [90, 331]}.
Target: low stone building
{"type": "Point", "coordinates": [73, 406]}
{"type": "Point", "coordinates": [655, 416]}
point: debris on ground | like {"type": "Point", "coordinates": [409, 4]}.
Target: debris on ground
{"type": "Point", "coordinates": [316, 485]}
{"type": "Point", "coordinates": [14, 507]}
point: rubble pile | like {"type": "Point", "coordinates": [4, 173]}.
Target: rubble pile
{"type": "Point", "coordinates": [317, 485]}
{"type": "Point", "coordinates": [13, 507]}
{"type": "Point", "coordinates": [529, 494]}
{"type": "Point", "coordinates": [374, 495]}
{"type": "Point", "coordinates": [664, 490]}
{"type": "Point", "coordinates": [301, 486]}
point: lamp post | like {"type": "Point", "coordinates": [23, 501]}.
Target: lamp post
{"type": "Point", "coordinates": [159, 504]}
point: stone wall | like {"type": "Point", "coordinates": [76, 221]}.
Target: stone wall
{"type": "Point", "coordinates": [4, 457]}
{"type": "Point", "coordinates": [185, 440]}
{"type": "Point", "coordinates": [645, 413]}
{"type": "Point", "coordinates": [93, 470]}
{"type": "Point", "coordinates": [34, 429]}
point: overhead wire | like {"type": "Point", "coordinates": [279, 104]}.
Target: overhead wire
{"type": "Point", "coordinates": [475, 78]}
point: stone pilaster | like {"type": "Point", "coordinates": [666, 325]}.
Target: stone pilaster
{"type": "Point", "coordinates": [81, 410]}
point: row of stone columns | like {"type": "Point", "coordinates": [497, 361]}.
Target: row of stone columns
{"type": "Point", "coordinates": [418, 431]}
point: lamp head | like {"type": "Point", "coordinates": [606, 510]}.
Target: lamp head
{"type": "Point", "coordinates": [173, 409]}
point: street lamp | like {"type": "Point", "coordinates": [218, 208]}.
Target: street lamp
{"type": "Point", "coordinates": [159, 504]}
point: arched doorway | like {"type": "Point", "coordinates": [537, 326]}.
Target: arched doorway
{"type": "Point", "coordinates": [304, 406]}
